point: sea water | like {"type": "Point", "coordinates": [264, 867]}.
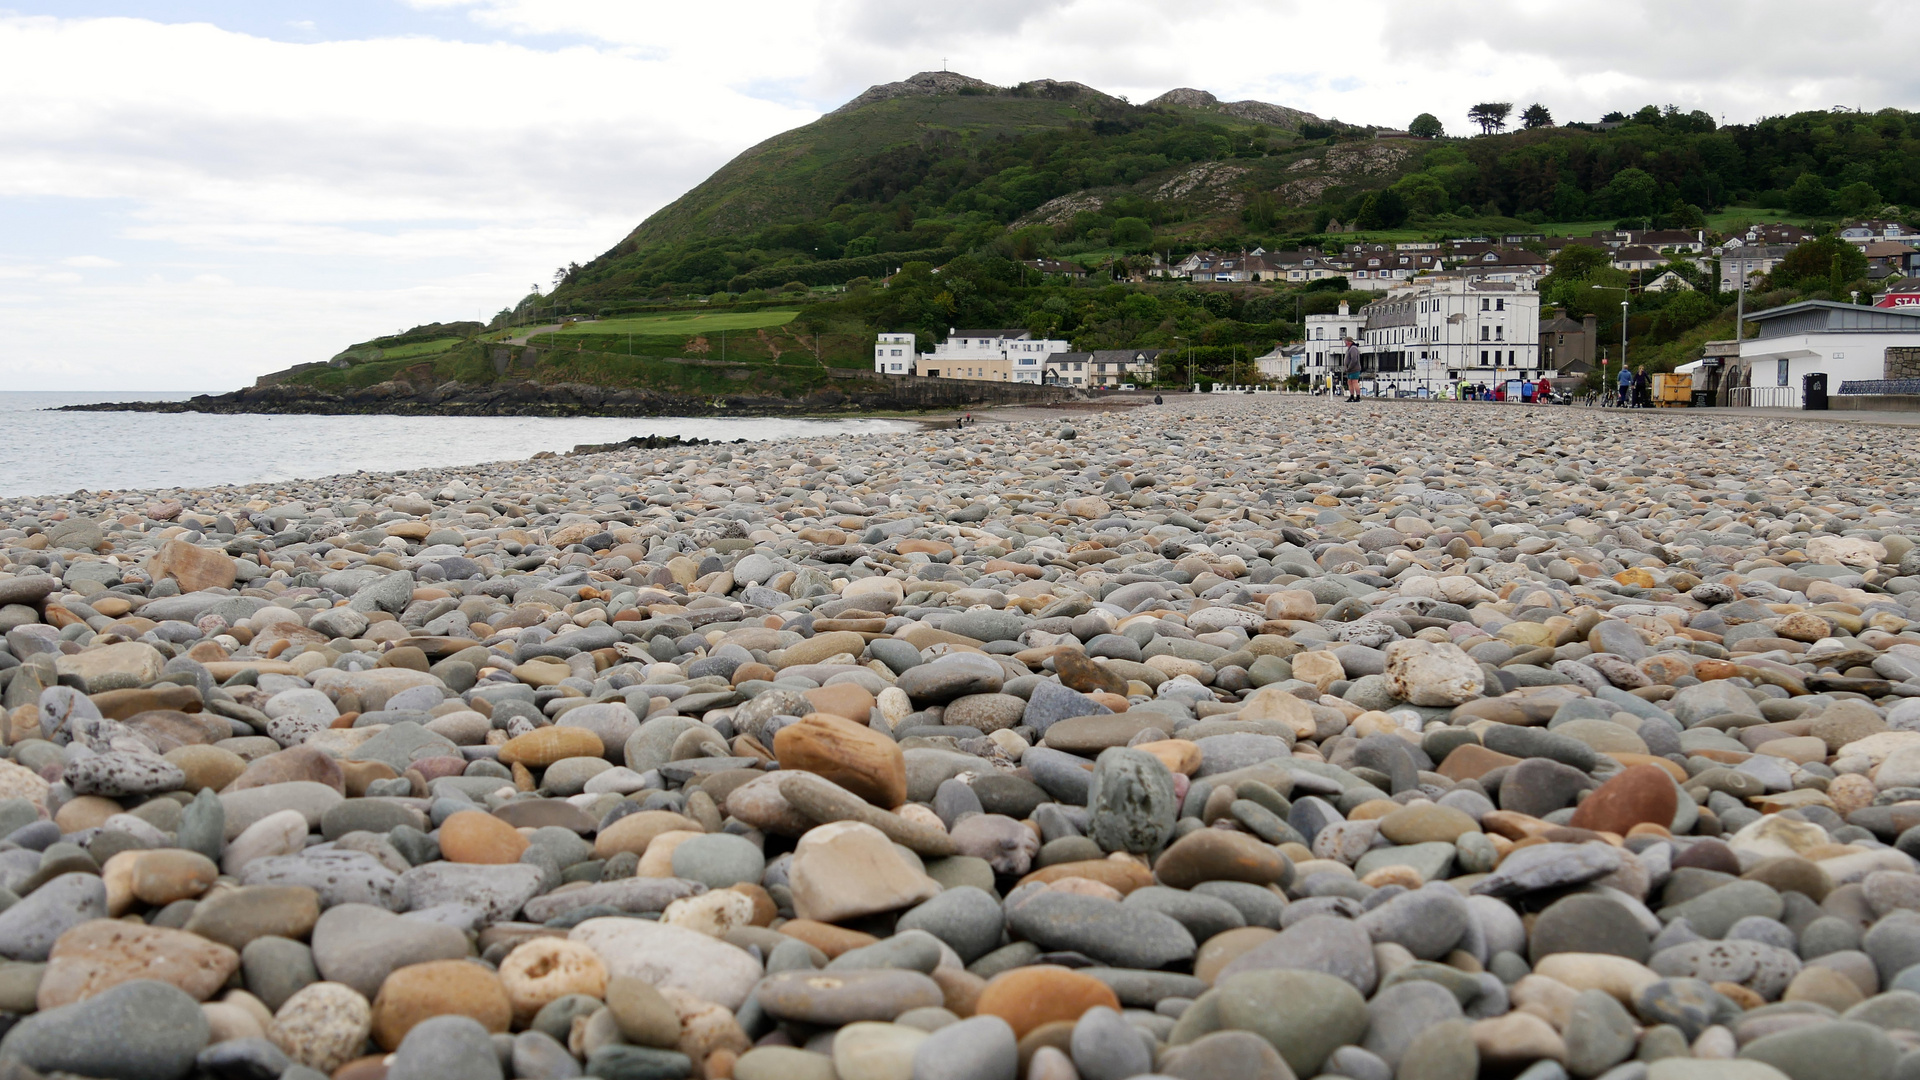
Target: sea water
{"type": "Point", "coordinates": [44, 452]}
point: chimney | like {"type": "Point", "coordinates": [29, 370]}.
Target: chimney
{"type": "Point", "coordinates": [1343, 307]}
{"type": "Point", "coordinates": [1559, 311]}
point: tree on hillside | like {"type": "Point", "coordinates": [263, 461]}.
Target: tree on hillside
{"type": "Point", "coordinates": [1828, 262]}
{"type": "Point", "coordinates": [1426, 126]}
{"type": "Point", "coordinates": [1631, 193]}
{"type": "Point", "coordinates": [1858, 199]}
{"type": "Point", "coordinates": [1383, 210]}
{"type": "Point", "coordinates": [1259, 211]}
{"type": "Point", "coordinates": [1809, 195]}
{"type": "Point", "coordinates": [1536, 116]}
{"type": "Point", "coordinates": [1423, 193]}
{"type": "Point", "coordinates": [1490, 115]}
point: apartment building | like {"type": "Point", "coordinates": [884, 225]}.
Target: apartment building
{"type": "Point", "coordinates": [1327, 336]}
{"type": "Point", "coordinates": [893, 354]}
{"type": "Point", "coordinates": [1452, 328]}
{"type": "Point", "coordinates": [1009, 355]}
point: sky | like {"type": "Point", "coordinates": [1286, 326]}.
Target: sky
{"type": "Point", "coordinates": [195, 193]}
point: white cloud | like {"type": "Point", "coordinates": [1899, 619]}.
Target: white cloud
{"type": "Point", "coordinates": [242, 203]}
{"type": "Point", "coordinates": [315, 163]}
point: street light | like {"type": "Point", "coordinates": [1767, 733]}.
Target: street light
{"type": "Point", "coordinates": [1624, 294]}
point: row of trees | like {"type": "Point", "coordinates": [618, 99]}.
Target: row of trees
{"type": "Point", "coordinates": [1491, 118]}
{"type": "Point", "coordinates": [1662, 167]}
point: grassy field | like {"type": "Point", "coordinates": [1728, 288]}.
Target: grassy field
{"type": "Point", "coordinates": [685, 323]}
{"type": "Point", "coordinates": [416, 349]}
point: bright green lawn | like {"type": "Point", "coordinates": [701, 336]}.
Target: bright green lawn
{"type": "Point", "coordinates": [686, 322]}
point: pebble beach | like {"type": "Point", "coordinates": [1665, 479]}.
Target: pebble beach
{"type": "Point", "coordinates": [1235, 738]}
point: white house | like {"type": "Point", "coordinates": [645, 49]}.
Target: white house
{"type": "Point", "coordinates": [893, 354]}
{"type": "Point", "coordinates": [1282, 362]}
{"type": "Point", "coordinates": [1326, 335]}
{"type": "Point", "coordinates": [1843, 341]}
{"type": "Point", "coordinates": [1011, 355]}
{"type": "Point", "coordinates": [1670, 282]}
{"type": "Point", "coordinates": [1446, 329]}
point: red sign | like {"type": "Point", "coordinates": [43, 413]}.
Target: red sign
{"type": "Point", "coordinates": [1898, 300]}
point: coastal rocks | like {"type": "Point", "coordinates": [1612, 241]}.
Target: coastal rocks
{"type": "Point", "coordinates": [1639, 794]}
{"type": "Point", "coordinates": [1304, 1014]}
{"type": "Point", "coordinates": [103, 953]}
{"type": "Point", "coordinates": [833, 999]}
{"type": "Point", "coordinates": [29, 928]}
{"type": "Point", "coordinates": [855, 757]}
{"type": "Point", "coordinates": [670, 957]}
{"type": "Point", "coordinates": [1031, 997]}
{"type": "Point", "coordinates": [1130, 802]}
{"type": "Point", "coordinates": [359, 945]}
{"type": "Point", "coordinates": [141, 1030]}
{"type": "Point", "coordinates": [1350, 749]}
{"type": "Point", "coordinates": [1214, 855]}
{"type": "Point", "coordinates": [1112, 933]}
{"type": "Point", "coordinates": [419, 992]}
{"type": "Point", "coordinates": [191, 566]}
{"type": "Point", "coordinates": [1429, 673]}
{"type": "Point", "coordinates": [322, 1026]}
{"type": "Point", "coordinates": [846, 869]}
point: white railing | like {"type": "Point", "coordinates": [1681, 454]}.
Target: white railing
{"type": "Point", "coordinates": [1764, 397]}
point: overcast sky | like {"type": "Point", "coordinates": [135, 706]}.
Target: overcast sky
{"type": "Point", "coordinates": [196, 192]}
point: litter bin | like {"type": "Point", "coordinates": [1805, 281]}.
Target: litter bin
{"type": "Point", "coordinates": [1703, 399]}
{"type": "Point", "coordinates": [1813, 389]}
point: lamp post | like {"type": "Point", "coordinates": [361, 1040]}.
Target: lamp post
{"type": "Point", "coordinates": [1624, 295]}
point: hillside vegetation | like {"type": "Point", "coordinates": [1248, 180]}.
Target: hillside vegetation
{"type": "Point", "coordinates": [915, 206]}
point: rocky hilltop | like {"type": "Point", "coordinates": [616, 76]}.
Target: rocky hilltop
{"type": "Point", "coordinates": [1260, 112]}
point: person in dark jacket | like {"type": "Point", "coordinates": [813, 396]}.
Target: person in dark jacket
{"type": "Point", "coordinates": [1642, 388]}
{"type": "Point", "coordinates": [1350, 368]}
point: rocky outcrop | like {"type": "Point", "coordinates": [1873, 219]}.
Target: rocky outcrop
{"type": "Point", "coordinates": [921, 85]}
{"type": "Point", "coordinates": [1259, 112]}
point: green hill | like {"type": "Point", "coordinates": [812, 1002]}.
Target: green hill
{"type": "Point", "coordinates": [917, 206]}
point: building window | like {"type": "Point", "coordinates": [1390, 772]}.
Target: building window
{"type": "Point", "coordinates": [1485, 333]}
{"type": "Point", "coordinates": [1499, 333]}
{"type": "Point", "coordinates": [1483, 358]}
{"type": "Point", "coordinates": [1500, 305]}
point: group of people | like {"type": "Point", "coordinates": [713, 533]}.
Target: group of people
{"type": "Point", "coordinates": [1532, 391]}
{"type": "Point", "coordinates": [1634, 389]}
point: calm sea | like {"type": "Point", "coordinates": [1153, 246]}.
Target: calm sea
{"type": "Point", "coordinates": [45, 453]}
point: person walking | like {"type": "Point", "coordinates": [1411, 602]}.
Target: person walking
{"type": "Point", "coordinates": [1625, 389]}
{"type": "Point", "coordinates": [1642, 388]}
{"type": "Point", "coordinates": [1350, 367]}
